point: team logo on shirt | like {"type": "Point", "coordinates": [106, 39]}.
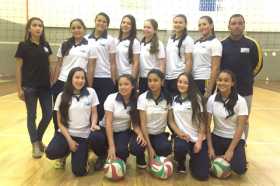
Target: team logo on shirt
{"type": "Point", "coordinates": [83, 51]}
{"type": "Point", "coordinates": [87, 102]}
{"type": "Point", "coordinates": [46, 49]}
{"type": "Point", "coordinates": [244, 50]}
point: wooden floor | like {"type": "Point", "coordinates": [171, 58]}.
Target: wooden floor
{"type": "Point", "coordinates": [17, 167]}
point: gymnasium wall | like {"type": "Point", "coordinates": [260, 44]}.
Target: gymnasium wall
{"type": "Point", "coordinates": [259, 17]}
{"type": "Point", "coordinates": [9, 39]}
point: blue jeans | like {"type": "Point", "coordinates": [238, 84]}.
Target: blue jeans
{"type": "Point", "coordinates": [31, 96]}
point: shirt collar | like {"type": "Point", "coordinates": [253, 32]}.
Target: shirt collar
{"type": "Point", "coordinates": [158, 100]}
{"type": "Point", "coordinates": [236, 40]}
{"type": "Point", "coordinates": [84, 92]}
{"type": "Point", "coordinates": [104, 35]}
{"type": "Point", "coordinates": [82, 42]}
{"type": "Point", "coordinates": [119, 98]}
{"type": "Point", "coordinates": [209, 38]}
{"type": "Point", "coordinates": [29, 41]}
{"type": "Point", "coordinates": [145, 43]}
{"type": "Point", "coordinates": [179, 99]}
{"type": "Point", "coordinates": [220, 99]}
{"type": "Point", "coordinates": [126, 38]}
{"type": "Point", "coordinates": [173, 37]}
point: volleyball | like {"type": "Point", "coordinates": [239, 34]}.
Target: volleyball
{"type": "Point", "coordinates": [115, 169]}
{"type": "Point", "coordinates": [220, 168]}
{"type": "Point", "coordinates": [161, 167]}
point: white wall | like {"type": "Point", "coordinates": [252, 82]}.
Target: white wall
{"type": "Point", "coordinates": [260, 15]}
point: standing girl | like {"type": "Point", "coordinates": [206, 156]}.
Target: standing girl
{"type": "Point", "coordinates": [153, 106]}
{"type": "Point", "coordinates": [76, 114]}
{"type": "Point", "coordinates": [206, 57]}
{"type": "Point", "coordinates": [105, 69]}
{"type": "Point", "coordinates": [188, 121]}
{"type": "Point", "coordinates": [128, 48]}
{"type": "Point", "coordinates": [33, 80]}
{"type": "Point", "coordinates": [75, 52]}
{"type": "Point", "coordinates": [230, 112]}
{"type": "Point", "coordinates": [152, 53]}
{"type": "Point", "coordinates": [178, 53]}
{"type": "Point", "coordinates": [115, 130]}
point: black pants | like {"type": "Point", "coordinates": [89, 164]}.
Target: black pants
{"type": "Point", "coordinates": [199, 162]}
{"type": "Point", "coordinates": [59, 148]}
{"type": "Point", "coordinates": [159, 142]}
{"type": "Point", "coordinates": [171, 86]}
{"type": "Point", "coordinates": [143, 85]}
{"type": "Point", "coordinates": [57, 87]}
{"type": "Point", "coordinates": [103, 87]}
{"type": "Point", "coordinates": [99, 143]}
{"type": "Point", "coordinates": [201, 84]}
{"type": "Point", "coordinates": [238, 161]}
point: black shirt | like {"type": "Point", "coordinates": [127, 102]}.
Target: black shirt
{"type": "Point", "coordinates": [244, 58]}
{"type": "Point", "coordinates": [35, 67]}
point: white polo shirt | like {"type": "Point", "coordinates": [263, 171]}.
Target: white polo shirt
{"type": "Point", "coordinates": [156, 113]}
{"type": "Point", "coordinates": [175, 65]}
{"type": "Point", "coordinates": [182, 112]}
{"type": "Point", "coordinates": [150, 61]}
{"type": "Point", "coordinates": [78, 56]}
{"type": "Point", "coordinates": [104, 46]}
{"type": "Point", "coordinates": [80, 112]}
{"type": "Point", "coordinates": [122, 60]}
{"type": "Point", "coordinates": [202, 57]}
{"type": "Point", "coordinates": [121, 118]}
{"type": "Point", "coordinates": [225, 127]}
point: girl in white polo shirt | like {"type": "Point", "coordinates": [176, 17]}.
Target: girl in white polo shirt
{"type": "Point", "coordinates": [75, 52]}
{"type": "Point", "coordinates": [152, 53]}
{"type": "Point", "coordinates": [229, 111]}
{"type": "Point", "coordinates": [178, 53]}
{"type": "Point", "coordinates": [105, 69]}
{"type": "Point", "coordinates": [128, 48]}
{"type": "Point", "coordinates": [111, 138]}
{"type": "Point", "coordinates": [76, 113]}
{"type": "Point", "coordinates": [188, 120]}
{"type": "Point", "coordinates": [207, 54]}
{"type": "Point", "coordinates": [153, 106]}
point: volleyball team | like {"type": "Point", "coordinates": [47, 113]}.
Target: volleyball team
{"type": "Point", "coordinates": [122, 96]}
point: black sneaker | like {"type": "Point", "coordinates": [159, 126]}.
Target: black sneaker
{"type": "Point", "coordinates": [141, 163]}
{"type": "Point", "coordinates": [181, 168]}
{"type": "Point", "coordinates": [99, 164]}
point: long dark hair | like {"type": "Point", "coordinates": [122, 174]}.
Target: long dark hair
{"type": "Point", "coordinates": [67, 94]}
{"type": "Point", "coordinates": [230, 102]}
{"type": "Point", "coordinates": [107, 19]}
{"type": "Point", "coordinates": [131, 37]}
{"type": "Point", "coordinates": [155, 41]}
{"type": "Point", "coordinates": [134, 114]}
{"type": "Point", "coordinates": [27, 35]}
{"type": "Point", "coordinates": [67, 45]}
{"type": "Point", "coordinates": [197, 101]}
{"type": "Point", "coordinates": [184, 34]}
{"type": "Point", "coordinates": [165, 93]}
